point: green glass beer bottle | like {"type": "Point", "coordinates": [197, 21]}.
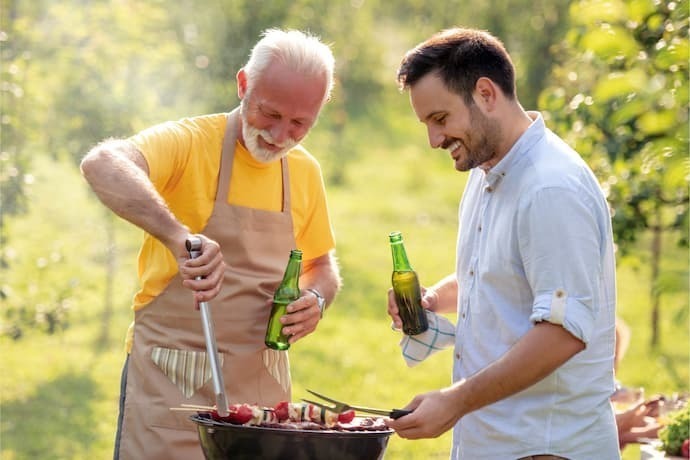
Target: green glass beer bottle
{"type": "Point", "coordinates": [287, 291]}
{"type": "Point", "coordinates": [408, 294]}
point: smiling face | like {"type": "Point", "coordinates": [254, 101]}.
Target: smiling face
{"type": "Point", "coordinates": [278, 109]}
{"type": "Point", "coordinates": [259, 142]}
{"type": "Point", "coordinates": [470, 137]}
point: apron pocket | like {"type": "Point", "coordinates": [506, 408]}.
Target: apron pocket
{"type": "Point", "coordinates": [277, 364]}
{"type": "Point", "coordinates": [189, 370]}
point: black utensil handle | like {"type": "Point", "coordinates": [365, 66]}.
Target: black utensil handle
{"type": "Point", "coordinates": [397, 413]}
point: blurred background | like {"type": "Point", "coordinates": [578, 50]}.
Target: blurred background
{"type": "Point", "coordinates": [611, 77]}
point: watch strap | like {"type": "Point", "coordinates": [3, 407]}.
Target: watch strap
{"type": "Point", "coordinates": [320, 300]}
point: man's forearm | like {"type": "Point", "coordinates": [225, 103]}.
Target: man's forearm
{"type": "Point", "coordinates": [118, 175]}
{"type": "Point", "coordinates": [323, 275]}
{"type": "Point", "coordinates": [540, 352]}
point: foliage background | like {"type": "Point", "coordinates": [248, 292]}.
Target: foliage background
{"type": "Point", "coordinates": [75, 72]}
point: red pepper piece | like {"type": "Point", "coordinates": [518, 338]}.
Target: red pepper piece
{"type": "Point", "coordinates": [346, 417]}
{"type": "Point", "coordinates": [282, 411]}
{"type": "Point", "coordinates": [239, 414]}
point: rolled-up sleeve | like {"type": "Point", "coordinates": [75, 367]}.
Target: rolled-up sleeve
{"type": "Point", "coordinates": [561, 250]}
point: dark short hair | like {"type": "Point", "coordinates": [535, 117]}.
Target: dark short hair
{"type": "Point", "coordinates": [460, 57]}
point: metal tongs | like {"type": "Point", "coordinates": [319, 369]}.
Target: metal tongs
{"type": "Point", "coordinates": [339, 407]}
{"type": "Point", "coordinates": [193, 245]}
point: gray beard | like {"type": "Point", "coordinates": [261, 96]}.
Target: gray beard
{"type": "Point", "coordinates": [251, 139]}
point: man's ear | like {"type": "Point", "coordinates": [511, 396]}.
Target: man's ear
{"type": "Point", "coordinates": [485, 93]}
{"type": "Point", "coordinates": [241, 83]}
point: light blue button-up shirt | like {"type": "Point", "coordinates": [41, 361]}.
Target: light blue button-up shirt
{"type": "Point", "coordinates": [535, 244]}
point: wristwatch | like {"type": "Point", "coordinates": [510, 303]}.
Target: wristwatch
{"type": "Point", "coordinates": [320, 300]}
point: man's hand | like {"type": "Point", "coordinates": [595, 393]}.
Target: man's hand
{"type": "Point", "coordinates": [303, 316]}
{"type": "Point", "coordinates": [429, 301]}
{"type": "Point", "coordinates": [431, 417]}
{"type": "Point", "coordinates": [203, 274]}
{"type": "Point", "coordinates": [638, 422]}
{"type": "Point", "coordinates": [442, 297]}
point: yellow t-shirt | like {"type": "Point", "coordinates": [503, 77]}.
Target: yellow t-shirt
{"type": "Point", "coordinates": [184, 160]}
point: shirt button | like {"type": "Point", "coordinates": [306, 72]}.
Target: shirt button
{"type": "Point", "coordinates": [489, 189]}
{"type": "Point", "coordinates": [463, 314]}
{"type": "Point", "coordinates": [471, 272]}
{"type": "Point", "coordinates": [457, 355]}
{"type": "Point", "coordinates": [479, 229]}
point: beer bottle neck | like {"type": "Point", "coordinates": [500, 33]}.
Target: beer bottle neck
{"type": "Point", "coordinates": [292, 272]}
{"type": "Point", "coordinates": [400, 261]}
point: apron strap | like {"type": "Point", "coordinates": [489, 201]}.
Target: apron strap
{"type": "Point", "coordinates": [286, 185]}
{"type": "Point", "coordinates": [227, 156]}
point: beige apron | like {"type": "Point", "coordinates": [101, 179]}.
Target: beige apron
{"type": "Point", "coordinates": [168, 364]}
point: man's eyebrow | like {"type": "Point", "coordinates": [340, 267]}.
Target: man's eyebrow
{"type": "Point", "coordinates": [266, 108]}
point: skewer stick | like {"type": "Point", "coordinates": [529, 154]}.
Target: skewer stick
{"type": "Point", "coordinates": [197, 407]}
{"type": "Point", "coordinates": [188, 409]}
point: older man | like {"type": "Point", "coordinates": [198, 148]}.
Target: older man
{"type": "Point", "coordinates": [242, 183]}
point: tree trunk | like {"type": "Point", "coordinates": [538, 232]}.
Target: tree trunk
{"type": "Point", "coordinates": [655, 294]}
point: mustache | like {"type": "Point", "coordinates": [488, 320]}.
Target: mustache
{"type": "Point", "coordinates": [448, 142]}
{"type": "Point", "coordinates": [281, 145]}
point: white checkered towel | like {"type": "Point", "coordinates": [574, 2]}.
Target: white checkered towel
{"type": "Point", "coordinates": [440, 335]}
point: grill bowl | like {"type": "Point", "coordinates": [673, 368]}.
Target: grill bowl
{"type": "Point", "coordinates": [222, 441]}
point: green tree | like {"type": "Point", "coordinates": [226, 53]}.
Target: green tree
{"type": "Point", "coordinates": [16, 117]}
{"type": "Point", "coordinates": [74, 73]}
{"type": "Point", "coordinates": [620, 97]}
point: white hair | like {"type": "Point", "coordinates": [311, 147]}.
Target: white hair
{"type": "Point", "coordinates": [302, 52]}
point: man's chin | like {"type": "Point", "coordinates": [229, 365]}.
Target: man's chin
{"type": "Point", "coordinates": [263, 151]}
{"type": "Point", "coordinates": [267, 156]}
{"type": "Point", "coordinates": [463, 165]}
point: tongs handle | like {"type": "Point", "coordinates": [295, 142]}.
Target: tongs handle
{"type": "Point", "coordinates": [394, 413]}
{"type": "Point", "coordinates": [193, 245]}
{"type": "Point", "coordinates": [397, 413]}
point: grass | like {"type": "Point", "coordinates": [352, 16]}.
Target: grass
{"type": "Point", "coordinates": [58, 393]}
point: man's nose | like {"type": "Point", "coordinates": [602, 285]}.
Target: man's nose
{"type": "Point", "coordinates": [436, 138]}
{"type": "Point", "coordinates": [280, 132]}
